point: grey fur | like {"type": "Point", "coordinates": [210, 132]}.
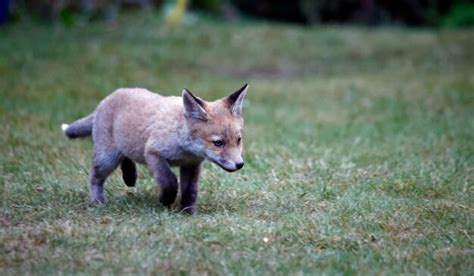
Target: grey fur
{"type": "Point", "coordinates": [104, 162]}
{"type": "Point", "coordinates": [80, 128]}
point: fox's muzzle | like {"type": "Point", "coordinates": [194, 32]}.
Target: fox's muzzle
{"type": "Point", "coordinates": [230, 166]}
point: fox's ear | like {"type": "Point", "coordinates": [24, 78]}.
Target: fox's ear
{"type": "Point", "coordinates": [236, 100]}
{"type": "Point", "coordinates": [194, 107]}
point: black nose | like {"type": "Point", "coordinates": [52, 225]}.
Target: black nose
{"type": "Point", "coordinates": [239, 165]}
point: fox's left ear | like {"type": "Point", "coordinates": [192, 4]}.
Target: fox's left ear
{"type": "Point", "coordinates": [236, 100]}
{"type": "Point", "coordinates": [194, 107]}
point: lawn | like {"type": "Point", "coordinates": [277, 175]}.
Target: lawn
{"type": "Point", "coordinates": [359, 150]}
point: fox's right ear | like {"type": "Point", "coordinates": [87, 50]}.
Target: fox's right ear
{"type": "Point", "coordinates": [194, 107]}
{"type": "Point", "coordinates": [236, 100]}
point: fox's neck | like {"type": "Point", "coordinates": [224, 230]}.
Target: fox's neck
{"type": "Point", "coordinates": [187, 143]}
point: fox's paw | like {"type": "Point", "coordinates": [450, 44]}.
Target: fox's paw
{"type": "Point", "coordinates": [167, 198]}
{"type": "Point", "coordinates": [166, 201]}
{"type": "Point", "coordinates": [188, 210]}
{"type": "Point", "coordinates": [97, 201]}
{"type": "Point", "coordinates": [96, 198]}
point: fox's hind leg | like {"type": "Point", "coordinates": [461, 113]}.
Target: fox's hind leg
{"type": "Point", "coordinates": [165, 177]}
{"type": "Point", "coordinates": [129, 172]}
{"type": "Point", "coordinates": [104, 162]}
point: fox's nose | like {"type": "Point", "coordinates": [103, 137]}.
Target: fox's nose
{"type": "Point", "coordinates": [239, 165]}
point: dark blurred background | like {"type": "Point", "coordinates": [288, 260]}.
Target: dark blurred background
{"type": "Point", "coordinates": [456, 13]}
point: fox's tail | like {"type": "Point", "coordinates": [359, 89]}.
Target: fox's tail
{"type": "Point", "coordinates": [79, 128]}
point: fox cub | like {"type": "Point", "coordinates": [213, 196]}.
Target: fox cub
{"type": "Point", "coordinates": [137, 126]}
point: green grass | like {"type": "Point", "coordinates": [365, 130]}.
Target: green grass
{"type": "Point", "coordinates": [359, 149]}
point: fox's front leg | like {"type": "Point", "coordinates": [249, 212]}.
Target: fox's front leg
{"type": "Point", "coordinates": [165, 177]}
{"type": "Point", "coordinates": [189, 180]}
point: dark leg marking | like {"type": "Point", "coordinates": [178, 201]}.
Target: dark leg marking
{"type": "Point", "coordinates": [129, 172]}
{"type": "Point", "coordinates": [189, 180]}
{"type": "Point", "coordinates": [164, 177]}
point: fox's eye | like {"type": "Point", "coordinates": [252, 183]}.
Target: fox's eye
{"type": "Point", "coordinates": [218, 143]}
{"type": "Point", "coordinates": [238, 140]}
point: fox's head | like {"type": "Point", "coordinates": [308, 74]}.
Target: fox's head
{"type": "Point", "coordinates": [216, 128]}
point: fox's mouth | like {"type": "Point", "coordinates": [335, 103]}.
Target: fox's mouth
{"type": "Point", "coordinates": [227, 169]}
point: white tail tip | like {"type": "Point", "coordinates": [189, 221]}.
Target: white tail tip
{"type": "Point", "coordinates": [64, 127]}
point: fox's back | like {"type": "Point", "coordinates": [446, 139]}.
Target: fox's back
{"type": "Point", "coordinates": [128, 117]}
